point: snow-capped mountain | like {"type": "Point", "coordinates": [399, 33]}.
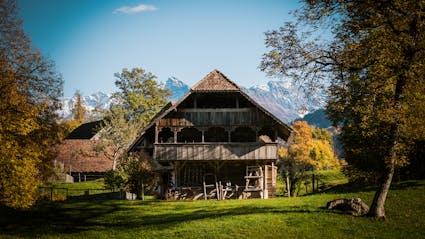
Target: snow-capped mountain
{"type": "Point", "coordinates": [285, 100]}
{"type": "Point", "coordinates": [279, 97]}
{"type": "Point", "coordinates": [103, 101]}
{"type": "Point", "coordinates": [90, 102]}
{"type": "Point", "coordinates": [177, 88]}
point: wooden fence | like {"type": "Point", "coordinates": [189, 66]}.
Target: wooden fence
{"type": "Point", "coordinates": [61, 193]}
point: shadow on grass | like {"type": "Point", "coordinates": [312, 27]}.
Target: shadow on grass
{"type": "Point", "coordinates": [407, 184]}
{"type": "Point", "coordinates": [49, 218]}
{"type": "Point", "coordinates": [56, 219]}
{"type": "Point", "coordinates": [356, 187]}
{"type": "Point", "coordinates": [75, 217]}
{"type": "Point", "coordinates": [350, 188]}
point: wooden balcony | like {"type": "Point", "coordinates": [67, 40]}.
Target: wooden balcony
{"type": "Point", "coordinates": [225, 116]}
{"type": "Point", "coordinates": [215, 151]}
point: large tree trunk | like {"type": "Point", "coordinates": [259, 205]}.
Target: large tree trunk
{"type": "Point", "coordinates": [377, 209]}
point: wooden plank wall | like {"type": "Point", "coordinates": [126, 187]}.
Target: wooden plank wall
{"type": "Point", "coordinates": [215, 151]}
{"type": "Point", "coordinates": [270, 174]}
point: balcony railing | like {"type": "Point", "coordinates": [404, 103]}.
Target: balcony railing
{"type": "Point", "coordinates": [215, 151]}
{"type": "Point", "coordinates": [192, 117]}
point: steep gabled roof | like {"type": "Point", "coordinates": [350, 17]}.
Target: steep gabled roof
{"type": "Point", "coordinates": [215, 81]}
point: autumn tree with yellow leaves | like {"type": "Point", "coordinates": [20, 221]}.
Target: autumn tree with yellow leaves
{"type": "Point", "coordinates": [29, 95]}
{"type": "Point", "coordinates": [308, 149]}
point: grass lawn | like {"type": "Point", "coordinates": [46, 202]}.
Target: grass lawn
{"type": "Point", "coordinates": [95, 184]}
{"type": "Point", "coordinates": [327, 179]}
{"type": "Point", "coordinates": [77, 189]}
{"type": "Point", "coordinates": [301, 217]}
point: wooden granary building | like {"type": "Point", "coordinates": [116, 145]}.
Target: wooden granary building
{"type": "Point", "coordinates": [215, 142]}
{"type": "Point", "coordinates": [77, 157]}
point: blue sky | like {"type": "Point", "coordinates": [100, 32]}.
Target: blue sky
{"type": "Point", "coordinates": [90, 40]}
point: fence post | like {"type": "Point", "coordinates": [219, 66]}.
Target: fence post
{"type": "Point", "coordinates": [122, 194]}
{"type": "Point", "coordinates": [317, 183]}
{"type": "Point", "coordinates": [143, 190]}
{"type": "Point", "coordinates": [312, 180]}
{"type": "Point", "coordinates": [288, 186]}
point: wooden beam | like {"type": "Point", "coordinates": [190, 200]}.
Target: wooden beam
{"type": "Point", "coordinates": [156, 134]}
{"type": "Point", "coordinates": [203, 136]}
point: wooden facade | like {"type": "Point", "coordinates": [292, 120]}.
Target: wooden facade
{"type": "Point", "coordinates": [215, 151]}
{"type": "Point", "coordinates": [215, 142]}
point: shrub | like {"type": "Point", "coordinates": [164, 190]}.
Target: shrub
{"type": "Point", "coordinates": [115, 179]}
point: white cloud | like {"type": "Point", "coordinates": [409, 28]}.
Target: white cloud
{"type": "Point", "coordinates": [135, 9]}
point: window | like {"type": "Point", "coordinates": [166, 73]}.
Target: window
{"type": "Point", "coordinates": [166, 136]}
{"type": "Point", "coordinates": [216, 134]}
{"type": "Point", "coordinates": [189, 135]}
{"type": "Point", "coordinates": [243, 134]}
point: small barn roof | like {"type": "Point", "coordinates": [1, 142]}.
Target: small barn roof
{"type": "Point", "coordinates": [79, 155]}
{"type": "Point", "coordinates": [86, 130]}
{"type": "Point", "coordinates": [77, 151]}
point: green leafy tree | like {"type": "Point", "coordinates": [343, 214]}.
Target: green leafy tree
{"type": "Point", "coordinates": [137, 101]}
{"type": "Point", "coordinates": [29, 95]}
{"type": "Point", "coordinates": [373, 66]}
{"type": "Point", "coordinates": [140, 170]}
{"type": "Point", "coordinates": [115, 179]}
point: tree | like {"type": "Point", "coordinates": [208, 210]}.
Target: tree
{"type": "Point", "coordinates": [140, 96]}
{"type": "Point", "coordinates": [78, 110]}
{"type": "Point", "coordinates": [115, 179]}
{"type": "Point", "coordinates": [78, 117]}
{"type": "Point", "coordinates": [29, 95]}
{"type": "Point", "coordinates": [140, 170]}
{"type": "Point", "coordinates": [308, 149]}
{"type": "Point", "coordinates": [373, 66]}
{"type": "Point", "coordinates": [138, 100]}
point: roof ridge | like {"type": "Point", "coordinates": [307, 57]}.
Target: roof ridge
{"type": "Point", "coordinates": [212, 83]}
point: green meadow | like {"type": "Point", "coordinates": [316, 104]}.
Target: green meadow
{"type": "Point", "coordinates": [298, 217]}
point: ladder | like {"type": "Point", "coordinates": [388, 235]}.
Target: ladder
{"type": "Point", "coordinates": [209, 185]}
{"type": "Point", "coordinates": [254, 180]}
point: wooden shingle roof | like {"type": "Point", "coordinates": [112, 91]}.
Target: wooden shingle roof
{"type": "Point", "coordinates": [215, 81]}
{"type": "Point", "coordinates": [79, 155]}
{"type": "Point", "coordinates": [77, 151]}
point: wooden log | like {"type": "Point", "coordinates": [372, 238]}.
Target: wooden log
{"type": "Point", "coordinates": [198, 196]}
{"type": "Point", "coordinates": [355, 205]}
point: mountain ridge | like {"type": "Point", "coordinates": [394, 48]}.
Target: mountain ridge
{"type": "Point", "coordinates": [281, 98]}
